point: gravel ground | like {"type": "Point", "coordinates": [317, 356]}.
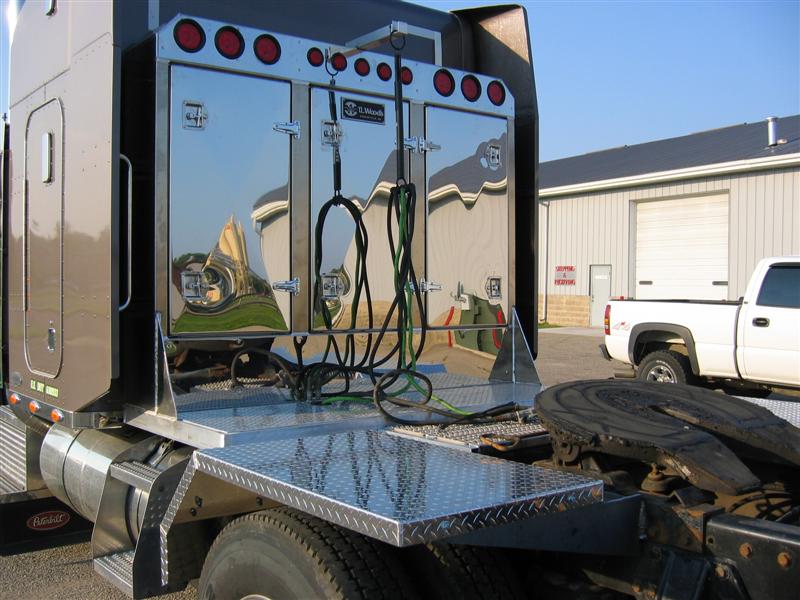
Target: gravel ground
{"type": "Point", "coordinates": [66, 573]}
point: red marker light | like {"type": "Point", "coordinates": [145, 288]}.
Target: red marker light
{"type": "Point", "coordinates": [406, 76]}
{"type": "Point", "coordinates": [267, 49]}
{"type": "Point", "coordinates": [384, 72]}
{"type": "Point", "coordinates": [444, 82]}
{"type": "Point", "coordinates": [229, 42]}
{"type": "Point", "coordinates": [362, 67]}
{"type": "Point", "coordinates": [496, 93]}
{"type": "Point", "coordinates": [315, 57]}
{"type": "Point", "coordinates": [189, 35]}
{"type": "Point", "coordinates": [471, 88]}
{"type": "Point", "coordinates": [339, 61]}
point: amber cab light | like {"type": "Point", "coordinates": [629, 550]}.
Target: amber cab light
{"type": "Point", "coordinates": [496, 93]}
{"type": "Point", "coordinates": [607, 320]}
{"type": "Point", "coordinates": [444, 82]}
{"type": "Point", "coordinates": [339, 61]}
{"type": "Point", "coordinates": [56, 415]}
{"type": "Point", "coordinates": [33, 406]}
{"type": "Point", "coordinates": [229, 42]}
{"type": "Point", "coordinates": [384, 72]}
{"type": "Point", "coordinates": [189, 35]}
{"type": "Point", "coordinates": [267, 49]}
{"type": "Point", "coordinates": [13, 399]}
{"type": "Point", "coordinates": [471, 88]}
{"type": "Point", "coordinates": [315, 57]}
{"type": "Point", "coordinates": [362, 67]}
{"type": "Point", "coordinates": [406, 76]}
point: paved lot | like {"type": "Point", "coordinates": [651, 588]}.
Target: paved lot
{"type": "Point", "coordinates": [66, 573]}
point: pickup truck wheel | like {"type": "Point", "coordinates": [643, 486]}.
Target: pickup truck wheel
{"type": "Point", "coordinates": [283, 553]}
{"type": "Point", "coordinates": [665, 366]}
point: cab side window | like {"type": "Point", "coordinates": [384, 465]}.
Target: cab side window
{"type": "Point", "coordinates": [781, 287]}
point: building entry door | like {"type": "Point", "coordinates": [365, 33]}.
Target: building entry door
{"type": "Point", "coordinates": [600, 290]}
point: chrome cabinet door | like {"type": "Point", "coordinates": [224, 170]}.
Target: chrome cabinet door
{"type": "Point", "coordinates": [468, 219]}
{"type": "Point", "coordinates": [365, 133]}
{"type": "Point", "coordinates": [44, 233]}
{"type": "Point", "coordinates": [229, 204]}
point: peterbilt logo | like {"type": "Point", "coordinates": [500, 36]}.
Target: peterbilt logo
{"type": "Point", "coordinates": [51, 519]}
{"type": "Point", "coordinates": [358, 110]}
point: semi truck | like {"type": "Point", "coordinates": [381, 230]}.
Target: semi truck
{"type": "Point", "coordinates": [269, 326]}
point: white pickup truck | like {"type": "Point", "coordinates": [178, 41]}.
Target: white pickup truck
{"type": "Point", "coordinates": [749, 345]}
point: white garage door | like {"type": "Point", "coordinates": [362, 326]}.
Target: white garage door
{"type": "Point", "coordinates": [682, 248]}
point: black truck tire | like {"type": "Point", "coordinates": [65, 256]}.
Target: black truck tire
{"type": "Point", "coordinates": [665, 366]}
{"type": "Point", "coordinates": [283, 553]}
{"type": "Point", "coordinates": [464, 572]}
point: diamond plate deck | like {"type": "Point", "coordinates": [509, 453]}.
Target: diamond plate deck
{"type": "Point", "coordinates": [785, 409]}
{"type": "Point", "coordinates": [244, 415]}
{"type": "Point", "coordinates": [396, 490]}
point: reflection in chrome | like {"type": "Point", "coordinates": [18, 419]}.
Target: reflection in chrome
{"type": "Point", "coordinates": [222, 268]}
{"type": "Point", "coordinates": [468, 222]}
{"type": "Point", "coordinates": [467, 228]}
{"type": "Point", "coordinates": [368, 163]}
{"type": "Point", "coordinates": [222, 285]}
{"type": "Point", "coordinates": [270, 218]}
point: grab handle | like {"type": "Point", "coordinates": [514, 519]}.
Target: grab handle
{"type": "Point", "coordinates": [127, 161]}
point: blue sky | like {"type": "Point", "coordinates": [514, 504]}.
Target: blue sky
{"type": "Point", "coordinates": [615, 73]}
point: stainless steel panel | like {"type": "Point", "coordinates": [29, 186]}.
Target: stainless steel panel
{"type": "Point", "coordinates": [369, 172]}
{"type": "Point", "coordinates": [293, 65]}
{"type": "Point", "coordinates": [229, 203]}
{"type": "Point", "coordinates": [468, 218]}
{"type": "Point", "coordinates": [44, 231]}
{"type": "Point", "coordinates": [396, 490]}
{"type": "Point", "coordinates": [300, 213]}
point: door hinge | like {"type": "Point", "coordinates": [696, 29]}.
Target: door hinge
{"type": "Point", "coordinates": [291, 128]}
{"type": "Point", "coordinates": [420, 144]}
{"type": "Point", "coordinates": [292, 286]}
{"type": "Point", "coordinates": [429, 286]}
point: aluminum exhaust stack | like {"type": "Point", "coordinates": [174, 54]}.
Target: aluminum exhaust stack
{"type": "Point", "coordinates": [772, 131]}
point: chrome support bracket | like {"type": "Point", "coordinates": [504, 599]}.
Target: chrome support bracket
{"type": "Point", "coordinates": [379, 36]}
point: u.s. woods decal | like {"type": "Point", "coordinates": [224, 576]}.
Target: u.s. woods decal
{"type": "Point", "coordinates": [358, 110]}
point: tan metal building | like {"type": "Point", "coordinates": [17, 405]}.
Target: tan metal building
{"type": "Point", "coordinates": [686, 217]}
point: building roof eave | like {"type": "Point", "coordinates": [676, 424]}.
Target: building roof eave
{"type": "Point", "coordinates": [737, 166]}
